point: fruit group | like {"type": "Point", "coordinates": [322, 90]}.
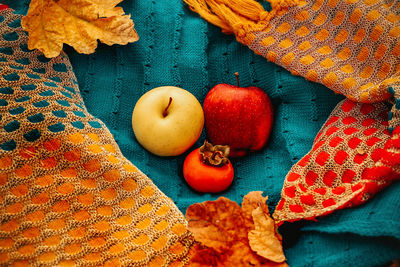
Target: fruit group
{"type": "Point", "coordinates": [207, 169]}
{"type": "Point", "coordinates": [167, 120]}
{"type": "Point", "coordinates": [240, 117]}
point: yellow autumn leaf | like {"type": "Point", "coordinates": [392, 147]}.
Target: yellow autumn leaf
{"type": "Point", "coordinates": [264, 239]}
{"type": "Point", "coordinates": [78, 23]}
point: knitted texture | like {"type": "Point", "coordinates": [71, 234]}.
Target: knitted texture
{"type": "Point", "coordinates": [340, 169]}
{"type": "Point", "coordinates": [394, 114]}
{"type": "Point", "coordinates": [350, 46]}
{"type": "Point", "coordinates": [68, 196]}
{"type": "Point", "coordinates": [332, 43]}
{"type": "Point", "coordinates": [177, 47]}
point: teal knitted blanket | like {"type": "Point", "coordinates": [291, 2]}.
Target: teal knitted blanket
{"type": "Point", "coordinates": [178, 48]}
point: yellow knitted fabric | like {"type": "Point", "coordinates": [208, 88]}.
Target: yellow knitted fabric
{"type": "Point", "coordinates": [351, 46]}
{"type": "Point", "coordinates": [68, 197]}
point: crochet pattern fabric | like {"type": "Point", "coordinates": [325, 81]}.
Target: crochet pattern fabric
{"type": "Point", "coordinates": [350, 46]}
{"type": "Point", "coordinates": [177, 47]}
{"type": "Point", "coordinates": [330, 42]}
{"type": "Point", "coordinates": [337, 171]}
{"type": "Point", "coordinates": [67, 195]}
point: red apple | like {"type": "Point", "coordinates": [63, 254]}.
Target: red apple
{"type": "Point", "coordinates": [240, 117]}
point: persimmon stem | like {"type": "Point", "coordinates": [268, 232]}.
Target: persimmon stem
{"type": "Point", "coordinates": [165, 112]}
{"type": "Point", "coordinates": [237, 78]}
{"type": "Point", "coordinates": [215, 153]}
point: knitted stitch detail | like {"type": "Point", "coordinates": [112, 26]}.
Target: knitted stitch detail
{"type": "Point", "coordinates": [394, 114]}
{"type": "Point", "coordinates": [351, 46]}
{"type": "Point", "coordinates": [344, 166]}
{"type": "Point", "coordinates": [67, 194]}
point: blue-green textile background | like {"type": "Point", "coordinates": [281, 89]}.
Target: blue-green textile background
{"type": "Point", "coordinates": [178, 48]}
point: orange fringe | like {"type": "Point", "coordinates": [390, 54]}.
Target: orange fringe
{"type": "Point", "coordinates": [241, 17]}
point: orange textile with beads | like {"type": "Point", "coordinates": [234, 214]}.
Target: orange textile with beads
{"type": "Point", "coordinates": [353, 48]}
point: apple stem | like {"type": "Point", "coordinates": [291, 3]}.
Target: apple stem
{"type": "Point", "coordinates": [237, 78]}
{"type": "Point", "coordinates": [165, 112]}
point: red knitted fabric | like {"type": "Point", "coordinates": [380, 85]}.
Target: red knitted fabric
{"type": "Point", "coordinates": [352, 158]}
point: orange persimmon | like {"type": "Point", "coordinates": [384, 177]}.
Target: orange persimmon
{"type": "Point", "coordinates": [208, 170]}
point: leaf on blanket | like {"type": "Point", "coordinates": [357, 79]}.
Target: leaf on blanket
{"type": "Point", "coordinates": [224, 229]}
{"type": "Point", "coordinates": [78, 23]}
{"type": "Point", "coordinates": [264, 240]}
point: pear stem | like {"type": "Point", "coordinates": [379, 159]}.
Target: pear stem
{"type": "Point", "coordinates": [237, 78]}
{"type": "Point", "coordinates": [165, 112]}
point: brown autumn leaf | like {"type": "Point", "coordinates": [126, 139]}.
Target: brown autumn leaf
{"type": "Point", "coordinates": [78, 23]}
{"type": "Point", "coordinates": [222, 229]}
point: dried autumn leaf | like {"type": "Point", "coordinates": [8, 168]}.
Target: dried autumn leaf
{"type": "Point", "coordinates": [252, 201]}
{"type": "Point", "coordinates": [264, 240]}
{"type": "Point", "coordinates": [221, 227]}
{"type": "Point", "coordinates": [210, 219]}
{"type": "Point", "coordinates": [78, 23]}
